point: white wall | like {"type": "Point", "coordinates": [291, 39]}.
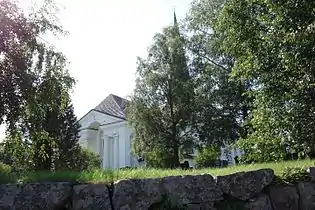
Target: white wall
{"type": "Point", "coordinates": [91, 137]}
{"type": "Point", "coordinates": [95, 116]}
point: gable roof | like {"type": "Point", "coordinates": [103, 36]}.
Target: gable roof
{"type": "Point", "coordinates": [114, 106]}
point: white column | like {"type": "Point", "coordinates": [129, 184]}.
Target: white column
{"type": "Point", "coordinates": [101, 150]}
{"type": "Point", "coordinates": [106, 163]}
{"type": "Point", "coordinates": [116, 151]}
{"type": "Point", "coordinates": [233, 156]}
{"type": "Point", "coordinates": [97, 142]}
{"type": "Point", "coordinates": [110, 152]}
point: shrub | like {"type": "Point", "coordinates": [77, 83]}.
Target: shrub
{"type": "Point", "coordinates": [294, 175]}
{"type": "Point", "coordinates": [259, 149]}
{"type": "Point", "coordinates": [158, 158]}
{"type": "Point", "coordinates": [207, 156]}
{"type": "Point", "coordinates": [5, 169]}
{"type": "Point", "coordinates": [86, 160]}
{"type": "Point", "coordinates": [5, 173]}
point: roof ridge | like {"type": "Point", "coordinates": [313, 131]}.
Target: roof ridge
{"type": "Point", "coordinates": [112, 104]}
{"type": "Point", "coordinates": [113, 97]}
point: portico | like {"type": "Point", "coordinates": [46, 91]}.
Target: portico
{"type": "Point", "coordinates": [104, 130]}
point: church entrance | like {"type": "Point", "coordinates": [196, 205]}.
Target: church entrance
{"type": "Point", "coordinates": [110, 152]}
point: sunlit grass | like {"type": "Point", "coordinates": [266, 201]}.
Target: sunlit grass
{"type": "Point", "coordinates": [108, 176]}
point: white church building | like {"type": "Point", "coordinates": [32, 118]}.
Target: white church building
{"type": "Point", "coordinates": [104, 130]}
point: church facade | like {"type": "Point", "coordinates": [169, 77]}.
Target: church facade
{"type": "Point", "coordinates": [104, 130]}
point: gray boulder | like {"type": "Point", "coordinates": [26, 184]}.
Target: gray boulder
{"type": "Point", "coordinates": [182, 190]}
{"type": "Point", "coordinates": [284, 197]}
{"type": "Point", "coordinates": [245, 185]}
{"type": "Point", "coordinates": [48, 196]}
{"type": "Point", "coordinates": [260, 203]}
{"type": "Point", "coordinates": [8, 193]}
{"type": "Point", "coordinates": [202, 206]}
{"type": "Point", "coordinates": [137, 194]}
{"type": "Point", "coordinates": [311, 172]}
{"type": "Point", "coordinates": [307, 195]}
{"type": "Point", "coordinates": [91, 196]}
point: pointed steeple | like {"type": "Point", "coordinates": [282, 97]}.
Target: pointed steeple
{"type": "Point", "coordinates": [175, 19]}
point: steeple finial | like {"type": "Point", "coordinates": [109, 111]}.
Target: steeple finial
{"type": "Point", "coordinates": [175, 19]}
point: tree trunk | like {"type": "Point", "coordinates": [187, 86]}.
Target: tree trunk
{"type": "Point", "coordinates": [176, 162]}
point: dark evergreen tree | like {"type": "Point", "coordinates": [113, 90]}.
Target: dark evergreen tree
{"type": "Point", "coordinates": [161, 108]}
{"type": "Point", "coordinates": [67, 143]}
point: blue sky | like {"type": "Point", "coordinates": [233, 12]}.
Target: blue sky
{"type": "Point", "coordinates": [105, 38]}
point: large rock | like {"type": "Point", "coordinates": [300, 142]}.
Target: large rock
{"type": "Point", "coordinates": [311, 172]}
{"type": "Point", "coordinates": [245, 185]}
{"type": "Point", "coordinates": [8, 193]}
{"type": "Point", "coordinates": [260, 203]}
{"type": "Point", "coordinates": [183, 190]}
{"type": "Point", "coordinates": [48, 196]}
{"type": "Point", "coordinates": [307, 195]}
{"type": "Point", "coordinates": [169, 191]}
{"type": "Point", "coordinates": [202, 206]}
{"type": "Point", "coordinates": [284, 197]}
{"type": "Point", "coordinates": [137, 194]}
{"type": "Point", "coordinates": [91, 196]}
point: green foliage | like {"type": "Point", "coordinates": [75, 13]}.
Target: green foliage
{"type": "Point", "coordinates": [5, 173]}
{"type": "Point", "coordinates": [16, 152]}
{"type": "Point", "coordinates": [207, 156]}
{"type": "Point", "coordinates": [23, 54]}
{"type": "Point", "coordinates": [273, 47]}
{"type": "Point", "coordinates": [5, 169]}
{"type": "Point", "coordinates": [221, 107]}
{"type": "Point", "coordinates": [161, 108]}
{"type": "Point", "coordinates": [109, 176]}
{"type": "Point", "coordinates": [158, 158]}
{"type": "Point", "coordinates": [294, 175]}
{"type": "Point", "coordinates": [67, 148]}
{"type": "Point", "coordinates": [36, 85]}
{"type": "Point", "coordinates": [261, 149]}
{"type": "Point", "coordinates": [85, 160]}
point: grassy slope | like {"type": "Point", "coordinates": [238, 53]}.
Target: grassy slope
{"type": "Point", "coordinates": [106, 176]}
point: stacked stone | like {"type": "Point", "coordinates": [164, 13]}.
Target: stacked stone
{"type": "Point", "coordinates": [249, 190]}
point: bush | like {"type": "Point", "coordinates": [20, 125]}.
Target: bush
{"type": "Point", "coordinates": [5, 173]}
{"type": "Point", "coordinates": [86, 160]}
{"type": "Point", "coordinates": [294, 175]}
{"type": "Point", "coordinates": [260, 149]}
{"type": "Point", "coordinates": [158, 158]}
{"type": "Point", "coordinates": [5, 169]}
{"type": "Point", "coordinates": [207, 156]}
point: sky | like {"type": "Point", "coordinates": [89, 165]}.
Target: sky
{"type": "Point", "coordinates": [105, 38]}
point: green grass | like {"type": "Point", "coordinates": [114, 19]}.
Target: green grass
{"type": "Point", "coordinates": [108, 176]}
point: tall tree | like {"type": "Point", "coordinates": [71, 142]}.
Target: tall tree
{"type": "Point", "coordinates": [222, 109]}
{"type": "Point", "coordinates": [49, 118]}
{"type": "Point", "coordinates": [35, 87]}
{"type": "Point", "coordinates": [161, 108]}
{"type": "Point", "coordinates": [22, 51]}
{"type": "Point", "coordinates": [272, 43]}
{"type": "Point", "coordinates": [67, 147]}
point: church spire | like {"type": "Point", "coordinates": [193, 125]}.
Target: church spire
{"type": "Point", "coordinates": [175, 19]}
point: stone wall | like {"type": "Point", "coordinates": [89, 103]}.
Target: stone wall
{"type": "Point", "coordinates": [245, 190]}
